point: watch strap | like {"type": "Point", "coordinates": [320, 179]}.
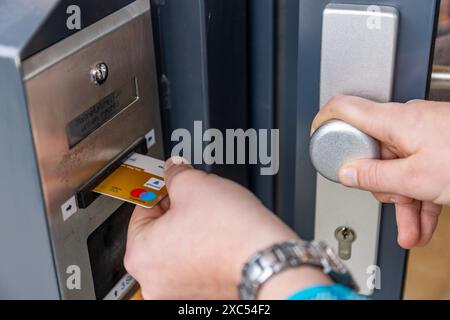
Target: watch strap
{"type": "Point", "coordinates": [289, 254]}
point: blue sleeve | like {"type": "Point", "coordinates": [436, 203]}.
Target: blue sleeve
{"type": "Point", "coordinates": [330, 292]}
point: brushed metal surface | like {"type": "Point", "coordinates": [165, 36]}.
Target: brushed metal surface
{"type": "Point", "coordinates": [358, 58]}
{"type": "Point", "coordinates": [359, 47]}
{"type": "Point", "coordinates": [336, 143]}
{"type": "Point", "coordinates": [440, 78]}
{"type": "Point", "coordinates": [59, 89]}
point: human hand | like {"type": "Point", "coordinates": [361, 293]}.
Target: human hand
{"type": "Point", "coordinates": [195, 245]}
{"type": "Point", "coordinates": [415, 150]}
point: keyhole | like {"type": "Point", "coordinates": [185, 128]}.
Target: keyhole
{"type": "Point", "coordinates": [345, 233]}
{"type": "Point", "coordinates": [345, 237]}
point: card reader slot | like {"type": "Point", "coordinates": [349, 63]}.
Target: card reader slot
{"type": "Point", "coordinates": [85, 196]}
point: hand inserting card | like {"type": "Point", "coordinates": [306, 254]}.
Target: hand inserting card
{"type": "Point", "coordinates": [139, 180]}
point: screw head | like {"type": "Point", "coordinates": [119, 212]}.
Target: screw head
{"type": "Point", "coordinates": [99, 73]}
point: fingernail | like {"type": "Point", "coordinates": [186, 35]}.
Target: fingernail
{"type": "Point", "coordinates": [169, 164]}
{"type": "Point", "coordinates": [175, 161]}
{"type": "Point", "coordinates": [348, 177]}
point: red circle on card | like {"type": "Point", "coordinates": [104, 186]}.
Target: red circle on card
{"type": "Point", "coordinates": [136, 193]}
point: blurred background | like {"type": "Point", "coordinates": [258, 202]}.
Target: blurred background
{"type": "Point", "coordinates": [428, 273]}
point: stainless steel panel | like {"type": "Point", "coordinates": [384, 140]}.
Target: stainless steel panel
{"type": "Point", "coordinates": [59, 89]}
{"type": "Point", "coordinates": [359, 45]}
{"type": "Point", "coordinates": [358, 58]}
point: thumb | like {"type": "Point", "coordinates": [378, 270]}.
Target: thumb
{"type": "Point", "coordinates": [174, 167]}
{"type": "Point", "coordinates": [143, 217]}
{"type": "Point", "coordinates": [387, 176]}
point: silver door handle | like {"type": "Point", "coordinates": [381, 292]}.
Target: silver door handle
{"type": "Point", "coordinates": [337, 143]}
{"type": "Point", "coordinates": [440, 78]}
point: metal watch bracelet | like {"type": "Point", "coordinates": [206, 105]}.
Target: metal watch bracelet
{"type": "Point", "coordinates": [291, 254]}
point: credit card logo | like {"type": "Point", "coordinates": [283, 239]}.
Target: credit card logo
{"type": "Point", "coordinates": [155, 184]}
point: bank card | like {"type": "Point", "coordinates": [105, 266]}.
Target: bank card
{"type": "Point", "coordinates": [139, 180]}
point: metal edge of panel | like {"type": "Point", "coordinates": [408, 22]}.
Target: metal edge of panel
{"type": "Point", "coordinates": [308, 81]}
{"type": "Point", "coordinates": [226, 26]}
{"type": "Point", "coordinates": [286, 34]}
{"type": "Point", "coordinates": [27, 215]}
{"type": "Point", "coordinates": [52, 55]}
{"type": "Point", "coordinates": [261, 88]}
{"type": "Point", "coordinates": [181, 55]}
{"type": "Point", "coordinates": [53, 28]}
{"type": "Point", "coordinates": [20, 19]}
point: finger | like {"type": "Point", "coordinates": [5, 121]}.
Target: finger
{"type": "Point", "coordinates": [387, 154]}
{"type": "Point", "coordinates": [173, 167]}
{"type": "Point", "coordinates": [385, 176]}
{"type": "Point", "coordinates": [378, 120]}
{"type": "Point", "coordinates": [142, 217]}
{"type": "Point", "coordinates": [392, 198]}
{"type": "Point", "coordinates": [429, 216]}
{"type": "Point", "coordinates": [165, 204]}
{"type": "Point", "coordinates": [408, 223]}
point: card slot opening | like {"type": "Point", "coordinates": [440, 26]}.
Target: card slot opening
{"type": "Point", "coordinates": [86, 196]}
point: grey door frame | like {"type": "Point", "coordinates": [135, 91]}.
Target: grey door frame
{"type": "Point", "coordinates": [418, 25]}
{"type": "Point", "coordinates": [291, 52]}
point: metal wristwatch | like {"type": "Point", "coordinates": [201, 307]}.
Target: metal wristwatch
{"type": "Point", "coordinates": [291, 254]}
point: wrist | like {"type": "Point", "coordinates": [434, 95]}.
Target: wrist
{"type": "Point", "coordinates": [257, 240]}
{"type": "Point", "coordinates": [310, 264]}
{"type": "Point", "coordinates": [284, 284]}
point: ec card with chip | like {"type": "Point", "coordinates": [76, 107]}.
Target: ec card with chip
{"type": "Point", "coordinates": [139, 180]}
